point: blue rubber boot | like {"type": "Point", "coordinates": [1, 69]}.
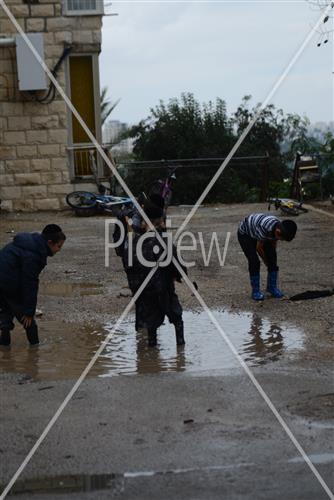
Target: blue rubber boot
{"type": "Point", "coordinates": [272, 285]}
{"type": "Point", "coordinates": [255, 283]}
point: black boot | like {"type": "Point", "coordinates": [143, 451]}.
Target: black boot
{"type": "Point", "coordinates": [179, 333]}
{"type": "Point", "coordinates": [5, 337]}
{"type": "Point", "coordinates": [32, 334]}
{"type": "Point", "coordinates": [152, 337]}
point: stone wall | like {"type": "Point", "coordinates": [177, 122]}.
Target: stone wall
{"type": "Point", "coordinates": [34, 162]}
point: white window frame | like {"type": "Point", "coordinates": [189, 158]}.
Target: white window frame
{"type": "Point", "coordinates": [99, 11]}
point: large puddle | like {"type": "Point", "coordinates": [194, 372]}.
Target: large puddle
{"type": "Point", "coordinates": [66, 349]}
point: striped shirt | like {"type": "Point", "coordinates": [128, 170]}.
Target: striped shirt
{"type": "Point", "coordinates": [259, 226]}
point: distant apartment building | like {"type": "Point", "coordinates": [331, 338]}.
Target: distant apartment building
{"type": "Point", "coordinates": [113, 130]}
{"type": "Point", "coordinates": [123, 148]}
{"type": "Point", "coordinates": [44, 152]}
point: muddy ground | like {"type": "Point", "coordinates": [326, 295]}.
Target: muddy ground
{"type": "Point", "coordinates": [185, 424]}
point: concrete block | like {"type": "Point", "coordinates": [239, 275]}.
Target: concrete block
{"type": "Point", "coordinates": [34, 191]}
{"type": "Point", "coordinates": [61, 24]}
{"type": "Point", "coordinates": [10, 192]}
{"type": "Point", "coordinates": [97, 36]}
{"type": "Point", "coordinates": [35, 108]}
{"type": "Point", "coordinates": [19, 10]}
{"type": "Point", "coordinates": [81, 37]}
{"type": "Point", "coordinates": [26, 151]}
{"type": "Point", "coordinates": [66, 177]}
{"type": "Point", "coordinates": [7, 180]}
{"type": "Point", "coordinates": [37, 137]}
{"type": "Point", "coordinates": [40, 165]}
{"type": "Point", "coordinates": [7, 153]}
{"type": "Point", "coordinates": [36, 25]}
{"type": "Point", "coordinates": [14, 138]}
{"type": "Point", "coordinates": [27, 179]}
{"type": "Point", "coordinates": [60, 189]}
{"type": "Point", "coordinates": [59, 164]}
{"type": "Point", "coordinates": [6, 205]}
{"type": "Point", "coordinates": [58, 136]}
{"type": "Point", "coordinates": [62, 202]}
{"type": "Point", "coordinates": [7, 28]}
{"type": "Point", "coordinates": [51, 178]}
{"type": "Point", "coordinates": [11, 109]}
{"type": "Point", "coordinates": [63, 36]}
{"type": "Point", "coordinates": [18, 123]}
{"type": "Point", "coordinates": [47, 204]}
{"type": "Point", "coordinates": [46, 10]}
{"type": "Point", "coordinates": [17, 166]}
{"type": "Point", "coordinates": [43, 122]}
{"type": "Point", "coordinates": [23, 205]}
{"type": "Point", "coordinates": [63, 120]}
{"type": "Point", "coordinates": [49, 150]}
{"type": "Point", "coordinates": [57, 107]}
{"type": "Point", "coordinates": [90, 22]}
{"type": "Point", "coordinates": [49, 39]}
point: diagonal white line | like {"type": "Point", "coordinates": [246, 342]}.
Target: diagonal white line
{"type": "Point", "coordinates": [75, 387]}
{"type": "Point", "coordinates": [126, 189]}
{"type": "Point", "coordinates": [252, 122]}
{"type": "Point", "coordinates": [206, 1]}
{"type": "Point", "coordinates": [257, 385]}
{"type": "Point", "coordinates": [75, 112]}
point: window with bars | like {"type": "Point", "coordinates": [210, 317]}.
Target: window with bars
{"type": "Point", "coordinates": [83, 7]}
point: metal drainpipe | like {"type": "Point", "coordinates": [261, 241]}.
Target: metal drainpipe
{"type": "Point", "coordinates": [7, 42]}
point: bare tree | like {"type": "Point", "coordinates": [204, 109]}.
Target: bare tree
{"type": "Point", "coordinates": [326, 27]}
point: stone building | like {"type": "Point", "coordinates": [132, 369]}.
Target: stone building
{"type": "Point", "coordinates": [44, 152]}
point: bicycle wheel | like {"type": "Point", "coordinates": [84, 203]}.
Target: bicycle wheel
{"type": "Point", "coordinates": [289, 210]}
{"type": "Point", "coordinates": [81, 199]}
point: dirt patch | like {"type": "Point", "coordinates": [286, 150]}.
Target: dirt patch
{"type": "Point", "coordinates": [74, 279]}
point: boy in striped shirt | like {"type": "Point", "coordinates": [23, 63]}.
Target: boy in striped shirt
{"type": "Point", "coordinates": [258, 234]}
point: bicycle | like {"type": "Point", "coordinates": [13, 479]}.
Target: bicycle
{"type": "Point", "coordinates": [287, 206]}
{"type": "Point", "coordinates": [86, 203]}
{"type": "Point", "coordinates": [163, 187]}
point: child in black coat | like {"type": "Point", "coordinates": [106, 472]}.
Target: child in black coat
{"type": "Point", "coordinates": [21, 262]}
{"type": "Point", "coordinates": [158, 299]}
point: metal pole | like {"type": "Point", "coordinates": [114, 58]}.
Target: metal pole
{"type": "Point", "coordinates": [7, 42]}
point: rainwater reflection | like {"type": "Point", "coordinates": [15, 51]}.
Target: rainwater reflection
{"type": "Point", "coordinates": [66, 349]}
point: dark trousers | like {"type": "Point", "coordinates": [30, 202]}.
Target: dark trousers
{"type": "Point", "coordinates": [10, 309]}
{"type": "Point", "coordinates": [158, 305]}
{"type": "Point", "coordinates": [248, 246]}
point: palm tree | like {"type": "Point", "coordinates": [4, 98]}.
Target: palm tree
{"type": "Point", "coordinates": [106, 105]}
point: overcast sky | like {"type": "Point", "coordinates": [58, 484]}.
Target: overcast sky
{"type": "Point", "coordinates": [157, 50]}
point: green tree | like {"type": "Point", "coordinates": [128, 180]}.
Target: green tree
{"type": "Point", "coordinates": [183, 129]}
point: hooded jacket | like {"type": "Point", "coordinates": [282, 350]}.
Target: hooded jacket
{"type": "Point", "coordinates": [163, 278]}
{"type": "Point", "coordinates": [21, 262]}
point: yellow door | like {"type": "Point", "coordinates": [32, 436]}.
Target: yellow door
{"type": "Point", "coordinates": [82, 97]}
